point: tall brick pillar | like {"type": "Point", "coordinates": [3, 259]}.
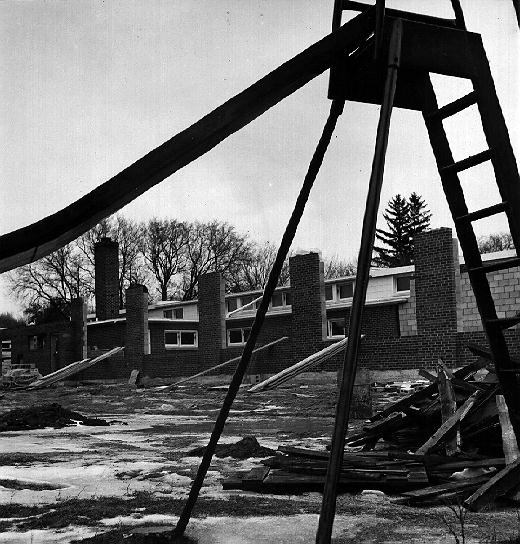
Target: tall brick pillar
{"type": "Point", "coordinates": [436, 295]}
{"type": "Point", "coordinates": [78, 318]}
{"type": "Point", "coordinates": [309, 323]}
{"type": "Point", "coordinates": [106, 259]}
{"type": "Point", "coordinates": [212, 319]}
{"type": "Point", "coordinates": [136, 325]}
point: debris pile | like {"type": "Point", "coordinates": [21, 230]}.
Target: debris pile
{"type": "Point", "coordinates": [243, 449]}
{"type": "Point", "coordinates": [451, 441]}
{"type": "Point", "coordinates": [44, 415]}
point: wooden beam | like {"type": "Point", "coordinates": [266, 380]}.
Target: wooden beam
{"type": "Point", "coordinates": [221, 365]}
{"type": "Point", "coordinates": [448, 425]}
{"type": "Point", "coordinates": [498, 485]}
{"type": "Point", "coordinates": [448, 408]}
{"type": "Point", "coordinates": [509, 442]}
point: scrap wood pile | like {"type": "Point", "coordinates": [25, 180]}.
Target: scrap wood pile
{"type": "Point", "coordinates": [449, 442]}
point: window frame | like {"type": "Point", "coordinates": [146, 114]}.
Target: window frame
{"type": "Point", "coordinates": [178, 344]}
{"type": "Point", "coordinates": [338, 289]}
{"type": "Point", "coordinates": [243, 336]}
{"type": "Point", "coordinates": [397, 278]}
{"type": "Point", "coordinates": [330, 320]}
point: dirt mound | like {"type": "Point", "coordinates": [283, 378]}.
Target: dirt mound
{"type": "Point", "coordinates": [44, 415]}
{"type": "Point", "coordinates": [244, 448]}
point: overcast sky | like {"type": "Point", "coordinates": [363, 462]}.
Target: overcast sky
{"type": "Point", "coordinates": [88, 87]}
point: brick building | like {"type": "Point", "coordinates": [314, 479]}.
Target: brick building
{"type": "Point", "coordinates": [413, 316]}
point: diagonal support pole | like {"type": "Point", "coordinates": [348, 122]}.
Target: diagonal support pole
{"type": "Point", "coordinates": [288, 236]}
{"type": "Point", "coordinates": [328, 506]}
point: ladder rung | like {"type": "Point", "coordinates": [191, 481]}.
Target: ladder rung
{"type": "Point", "coordinates": [500, 265]}
{"type": "Point", "coordinates": [464, 164]}
{"type": "Point", "coordinates": [454, 107]}
{"type": "Point", "coordinates": [505, 322]}
{"type": "Point", "coordinates": [484, 212]}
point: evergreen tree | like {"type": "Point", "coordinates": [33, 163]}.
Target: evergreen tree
{"type": "Point", "coordinates": [405, 219]}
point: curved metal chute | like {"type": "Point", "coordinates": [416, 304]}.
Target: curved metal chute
{"type": "Point", "coordinates": [39, 239]}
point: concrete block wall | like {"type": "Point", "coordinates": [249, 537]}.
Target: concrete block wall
{"type": "Point", "coordinates": [407, 314]}
{"type": "Point", "coordinates": [505, 288]}
{"type": "Point", "coordinates": [309, 324]}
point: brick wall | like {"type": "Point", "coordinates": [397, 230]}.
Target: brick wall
{"type": "Point", "coordinates": [309, 326]}
{"type": "Point", "coordinates": [212, 324]}
{"type": "Point", "coordinates": [273, 359]}
{"type": "Point", "coordinates": [136, 325]}
{"type": "Point", "coordinates": [106, 259]}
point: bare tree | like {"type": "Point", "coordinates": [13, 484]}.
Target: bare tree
{"type": "Point", "coordinates": [165, 249]}
{"type": "Point", "coordinates": [213, 246]}
{"type": "Point", "coordinates": [54, 280]}
{"type": "Point", "coordinates": [498, 241]}
{"type": "Point", "coordinates": [338, 268]}
{"type": "Point", "coordinates": [254, 270]}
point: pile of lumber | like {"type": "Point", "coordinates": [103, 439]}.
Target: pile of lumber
{"type": "Point", "coordinates": [449, 442]}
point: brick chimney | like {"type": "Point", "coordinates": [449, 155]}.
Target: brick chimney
{"type": "Point", "coordinates": [106, 258]}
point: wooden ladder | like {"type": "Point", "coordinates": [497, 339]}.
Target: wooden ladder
{"type": "Point", "coordinates": [500, 154]}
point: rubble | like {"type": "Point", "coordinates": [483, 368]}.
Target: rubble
{"type": "Point", "coordinates": [243, 449]}
{"type": "Point", "coordinates": [414, 448]}
{"type": "Point", "coordinates": [45, 415]}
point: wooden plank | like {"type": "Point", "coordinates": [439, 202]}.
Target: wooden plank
{"type": "Point", "coordinates": [486, 354]}
{"type": "Point", "coordinates": [448, 425]}
{"type": "Point", "coordinates": [428, 391]}
{"type": "Point", "coordinates": [302, 366]}
{"type": "Point", "coordinates": [255, 477]}
{"type": "Point", "coordinates": [428, 375]}
{"type": "Point", "coordinates": [435, 490]}
{"type": "Point", "coordinates": [221, 365]}
{"type": "Point", "coordinates": [509, 442]}
{"type": "Point", "coordinates": [448, 408]}
{"type": "Point", "coordinates": [498, 485]}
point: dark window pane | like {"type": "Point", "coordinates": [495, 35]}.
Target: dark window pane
{"type": "Point", "coordinates": [187, 338]}
{"type": "Point", "coordinates": [168, 314]}
{"type": "Point", "coordinates": [337, 327]}
{"type": "Point", "coordinates": [277, 300]}
{"type": "Point", "coordinates": [288, 298]}
{"type": "Point", "coordinates": [403, 283]}
{"type": "Point", "coordinates": [246, 300]}
{"type": "Point", "coordinates": [170, 338]}
{"type": "Point", "coordinates": [179, 313]}
{"type": "Point", "coordinates": [346, 290]}
{"type": "Point", "coordinates": [235, 336]}
{"type": "Point", "coordinates": [328, 292]}
{"type": "Point", "coordinates": [231, 304]}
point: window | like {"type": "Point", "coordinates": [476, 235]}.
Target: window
{"type": "Point", "coordinates": [403, 283]}
{"type": "Point", "coordinates": [336, 327]}
{"type": "Point", "coordinates": [176, 313]}
{"type": "Point", "coordinates": [277, 300]}
{"type": "Point", "coordinates": [328, 292]}
{"type": "Point", "coordinates": [246, 300]}
{"type": "Point", "coordinates": [346, 290]}
{"type": "Point", "coordinates": [232, 304]}
{"type": "Point", "coordinates": [180, 339]}
{"type": "Point", "coordinates": [36, 342]}
{"type": "Point", "coordinates": [238, 336]}
{"type": "Point", "coordinates": [288, 298]}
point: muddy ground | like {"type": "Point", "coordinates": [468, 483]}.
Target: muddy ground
{"type": "Point", "coordinates": [100, 484]}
